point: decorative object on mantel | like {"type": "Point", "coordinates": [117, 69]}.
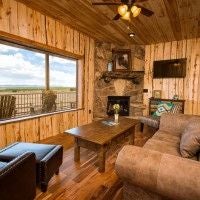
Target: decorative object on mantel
{"type": "Point", "coordinates": [122, 60]}
{"type": "Point", "coordinates": [116, 108]}
{"type": "Point", "coordinates": [135, 76]}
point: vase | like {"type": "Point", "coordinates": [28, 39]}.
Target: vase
{"type": "Point", "coordinates": [116, 118]}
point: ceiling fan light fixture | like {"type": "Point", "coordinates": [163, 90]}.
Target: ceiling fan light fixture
{"type": "Point", "coordinates": [131, 35]}
{"type": "Point", "coordinates": [127, 16]}
{"type": "Point", "coordinates": [135, 10]}
{"type": "Point", "coordinates": [122, 9]}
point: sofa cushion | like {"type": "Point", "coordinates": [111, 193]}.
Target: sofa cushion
{"type": "Point", "coordinates": [175, 123]}
{"type": "Point", "coordinates": [190, 140]}
{"type": "Point", "coordinates": [166, 136]}
{"type": "Point", "coordinates": [163, 108]}
{"type": "Point", "coordinates": [163, 147]}
{"type": "Point", "coordinates": [177, 108]}
{"type": "Point", "coordinates": [40, 150]}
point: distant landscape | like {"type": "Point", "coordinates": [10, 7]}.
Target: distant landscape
{"type": "Point", "coordinates": [30, 97]}
{"type": "Point", "coordinates": [27, 88]}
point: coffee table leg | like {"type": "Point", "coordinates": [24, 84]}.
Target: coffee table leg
{"type": "Point", "coordinates": [101, 159]}
{"type": "Point", "coordinates": [132, 136]}
{"type": "Point", "coordinates": [76, 150]}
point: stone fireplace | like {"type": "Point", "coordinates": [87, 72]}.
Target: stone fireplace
{"type": "Point", "coordinates": [118, 87]}
{"type": "Point", "coordinates": [124, 103]}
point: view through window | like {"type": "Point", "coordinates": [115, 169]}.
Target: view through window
{"type": "Point", "coordinates": [62, 76]}
{"type": "Point", "coordinates": [27, 87]}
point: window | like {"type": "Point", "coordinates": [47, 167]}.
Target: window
{"type": "Point", "coordinates": [35, 81]}
{"type": "Point", "coordinates": [63, 78]}
{"type": "Point", "coordinates": [20, 69]}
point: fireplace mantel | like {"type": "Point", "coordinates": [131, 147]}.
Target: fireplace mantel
{"type": "Point", "coordinates": [135, 76]}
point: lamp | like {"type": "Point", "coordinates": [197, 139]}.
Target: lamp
{"type": "Point", "coordinates": [131, 35]}
{"type": "Point", "coordinates": [135, 10]}
{"type": "Point", "coordinates": [126, 16]}
{"type": "Point", "coordinates": [122, 9]}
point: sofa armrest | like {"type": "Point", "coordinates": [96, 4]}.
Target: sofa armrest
{"type": "Point", "coordinates": [18, 178]}
{"type": "Point", "coordinates": [174, 123]}
{"type": "Point", "coordinates": [164, 174]}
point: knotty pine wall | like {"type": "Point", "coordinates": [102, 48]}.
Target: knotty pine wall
{"type": "Point", "coordinates": [19, 20]}
{"type": "Point", "coordinates": [187, 88]}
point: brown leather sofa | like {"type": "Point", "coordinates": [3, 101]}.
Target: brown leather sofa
{"type": "Point", "coordinates": [18, 178]}
{"type": "Point", "coordinates": [48, 159]}
{"type": "Point", "coordinates": [157, 171]}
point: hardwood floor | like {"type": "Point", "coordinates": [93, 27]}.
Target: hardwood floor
{"type": "Point", "coordinates": [82, 181]}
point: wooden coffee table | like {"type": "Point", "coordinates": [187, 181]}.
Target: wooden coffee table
{"type": "Point", "coordinates": [98, 137]}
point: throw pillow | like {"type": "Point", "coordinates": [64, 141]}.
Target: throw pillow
{"type": "Point", "coordinates": [190, 139]}
{"type": "Point", "coordinates": [163, 108]}
{"type": "Point", "coordinates": [177, 108]}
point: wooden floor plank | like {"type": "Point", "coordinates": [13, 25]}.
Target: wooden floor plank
{"type": "Point", "coordinates": [82, 181]}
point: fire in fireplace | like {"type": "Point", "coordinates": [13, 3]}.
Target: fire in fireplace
{"type": "Point", "coordinates": [123, 101]}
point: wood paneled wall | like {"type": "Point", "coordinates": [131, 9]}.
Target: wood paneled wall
{"type": "Point", "coordinates": [19, 20]}
{"type": "Point", "coordinates": [187, 88]}
{"type": "Point", "coordinates": [40, 128]}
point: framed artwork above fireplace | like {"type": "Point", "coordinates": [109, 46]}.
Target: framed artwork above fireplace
{"type": "Point", "coordinates": [122, 60]}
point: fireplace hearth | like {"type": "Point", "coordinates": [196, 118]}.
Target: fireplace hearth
{"type": "Point", "coordinates": [123, 101]}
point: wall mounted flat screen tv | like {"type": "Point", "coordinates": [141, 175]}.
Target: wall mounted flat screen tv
{"type": "Point", "coordinates": [170, 68]}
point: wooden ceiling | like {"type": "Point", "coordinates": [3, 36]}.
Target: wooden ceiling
{"type": "Point", "coordinates": [173, 20]}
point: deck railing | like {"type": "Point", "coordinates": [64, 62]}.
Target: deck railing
{"type": "Point", "coordinates": [28, 103]}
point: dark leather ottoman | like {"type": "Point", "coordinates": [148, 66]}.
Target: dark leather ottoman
{"type": "Point", "coordinates": [48, 159]}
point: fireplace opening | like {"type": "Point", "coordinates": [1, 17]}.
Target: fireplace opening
{"type": "Point", "coordinates": [123, 101]}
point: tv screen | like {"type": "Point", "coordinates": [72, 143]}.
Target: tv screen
{"type": "Point", "coordinates": [169, 68]}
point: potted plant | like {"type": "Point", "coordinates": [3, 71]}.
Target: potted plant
{"type": "Point", "coordinates": [116, 108]}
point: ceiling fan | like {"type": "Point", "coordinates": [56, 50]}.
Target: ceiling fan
{"type": "Point", "coordinates": [127, 7]}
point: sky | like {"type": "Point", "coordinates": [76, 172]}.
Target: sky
{"type": "Point", "coordinates": [19, 67]}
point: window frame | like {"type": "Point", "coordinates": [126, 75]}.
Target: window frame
{"type": "Point", "coordinates": [44, 49]}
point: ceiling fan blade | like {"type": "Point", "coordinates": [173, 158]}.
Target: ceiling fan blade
{"type": "Point", "coordinates": [145, 11]}
{"type": "Point", "coordinates": [115, 3]}
{"type": "Point", "coordinates": [126, 1]}
{"type": "Point", "coordinates": [133, 1]}
{"type": "Point", "coordinates": [106, 3]}
{"type": "Point", "coordinates": [112, 3]}
{"type": "Point", "coordinates": [117, 17]}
